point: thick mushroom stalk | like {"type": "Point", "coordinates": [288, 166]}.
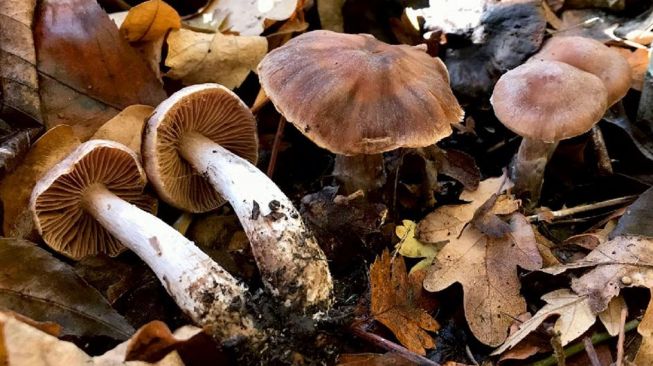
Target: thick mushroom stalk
{"type": "Point", "coordinates": [291, 263]}
{"type": "Point", "coordinates": [199, 147]}
{"type": "Point", "coordinates": [85, 198]}
{"type": "Point", "coordinates": [528, 166]}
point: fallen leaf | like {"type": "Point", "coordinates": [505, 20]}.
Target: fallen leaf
{"type": "Point", "coordinates": [591, 240]}
{"type": "Point", "coordinates": [195, 57]}
{"type": "Point", "coordinates": [529, 346]}
{"type": "Point", "coordinates": [19, 85]}
{"type": "Point", "coordinates": [126, 127]}
{"type": "Point", "coordinates": [461, 167]}
{"type": "Point", "coordinates": [392, 304]}
{"type": "Point", "coordinates": [488, 222]}
{"type": "Point", "coordinates": [625, 261]}
{"type": "Point", "coordinates": [575, 317]}
{"type": "Point", "coordinates": [16, 187]}
{"type": "Point", "coordinates": [611, 317]}
{"type": "Point", "coordinates": [14, 147]}
{"type": "Point", "coordinates": [22, 344]}
{"type": "Point", "coordinates": [46, 289]}
{"type": "Point", "coordinates": [637, 218]}
{"type": "Point", "coordinates": [245, 17]}
{"type": "Point", "coordinates": [487, 269]}
{"type": "Point", "coordinates": [410, 247]}
{"type": "Point", "coordinates": [638, 60]}
{"type": "Point", "coordinates": [446, 223]}
{"type": "Point", "coordinates": [645, 329]}
{"type": "Point", "coordinates": [87, 71]}
{"type": "Point", "coordinates": [330, 13]}
{"type": "Point", "coordinates": [149, 20]}
{"type": "Point", "coordinates": [374, 359]}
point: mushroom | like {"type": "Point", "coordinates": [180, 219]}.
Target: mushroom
{"type": "Point", "coordinates": [545, 102]}
{"type": "Point", "coordinates": [93, 202]}
{"type": "Point", "coordinates": [353, 95]}
{"type": "Point", "coordinates": [198, 149]}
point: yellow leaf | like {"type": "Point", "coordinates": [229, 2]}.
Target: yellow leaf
{"type": "Point", "coordinates": [126, 127]}
{"type": "Point", "coordinates": [149, 20]}
{"type": "Point", "coordinates": [410, 247]}
{"type": "Point", "coordinates": [196, 58]}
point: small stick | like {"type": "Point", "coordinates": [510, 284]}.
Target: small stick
{"type": "Point", "coordinates": [275, 146]}
{"type": "Point", "coordinates": [579, 346]}
{"type": "Point", "coordinates": [622, 336]}
{"type": "Point", "coordinates": [601, 152]}
{"type": "Point", "coordinates": [582, 208]}
{"type": "Point", "coordinates": [387, 345]}
{"type": "Point", "coordinates": [591, 352]}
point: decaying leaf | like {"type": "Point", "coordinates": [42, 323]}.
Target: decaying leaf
{"type": "Point", "coordinates": [195, 57]}
{"type": "Point", "coordinates": [16, 187]}
{"type": "Point", "coordinates": [14, 147]}
{"type": "Point", "coordinates": [575, 317]}
{"type": "Point", "coordinates": [638, 60]}
{"type": "Point", "coordinates": [330, 12]}
{"type": "Point", "coordinates": [526, 348]}
{"type": "Point", "coordinates": [486, 267]}
{"type": "Point", "coordinates": [23, 344]}
{"type": "Point", "coordinates": [126, 127]}
{"type": "Point", "coordinates": [447, 222]}
{"type": "Point", "coordinates": [410, 247]}
{"type": "Point", "coordinates": [392, 304]}
{"type": "Point", "coordinates": [625, 261]}
{"type": "Point", "coordinates": [148, 21]}
{"type": "Point", "coordinates": [645, 329]}
{"type": "Point", "coordinates": [245, 17]}
{"type": "Point", "coordinates": [46, 289]}
{"type": "Point", "coordinates": [87, 70]}
{"type": "Point", "coordinates": [611, 317]}
{"type": "Point", "coordinates": [374, 359]}
{"type": "Point", "coordinates": [19, 83]}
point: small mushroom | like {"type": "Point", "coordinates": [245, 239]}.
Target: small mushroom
{"type": "Point", "coordinates": [93, 202]}
{"type": "Point", "coordinates": [545, 102]}
{"type": "Point", "coordinates": [198, 149]}
{"type": "Point", "coordinates": [591, 56]}
{"type": "Point", "coordinates": [352, 94]}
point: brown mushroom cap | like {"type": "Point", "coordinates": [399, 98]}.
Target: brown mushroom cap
{"type": "Point", "coordinates": [594, 57]}
{"type": "Point", "coordinates": [211, 110]}
{"type": "Point", "coordinates": [549, 100]}
{"type": "Point", "coordinates": [353, 94]}
{"type": "Point", "coordinates": [57, 202]}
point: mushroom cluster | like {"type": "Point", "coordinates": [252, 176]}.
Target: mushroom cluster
{"type": "Point", "coordinates": [560, 93]}
{"type": "Point", "coordinates": [359, 97]}
{"type": "Point", "coordinates": [198, 148]}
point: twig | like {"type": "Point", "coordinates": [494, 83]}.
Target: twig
{"type": "Point", "coordinates": [591, 352]}
{"type": "Point", "coordinates": [357, 329]}
{"type": "Point", "coordinates": [601, 152]}
{"type": "Point", "coordinates": [275, 146]}
{"type": "Point", "coordinates": [582, 208]}
{"type": "Point", "coordinates": [622, 336]}
{"type": "Point", "coordinates": [579, 346]}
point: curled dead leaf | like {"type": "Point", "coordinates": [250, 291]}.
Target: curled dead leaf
{"type": "Point", "coordinates": [149, 20]}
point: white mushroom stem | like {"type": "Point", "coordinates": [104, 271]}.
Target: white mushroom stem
{"type": "Point", "coordinates": [365, 172]}
{"type": "Point", "coordinates": [202, 289]}
{"type": "Point", "coordinates": [292, 265]}
{"type": "Point", "coordinates": [528, 166]}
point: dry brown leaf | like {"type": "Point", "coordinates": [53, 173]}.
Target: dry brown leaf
{"type": "Point", "coordinates": [638, 61]}
{"type": "Point", "coordinates": [645, 329]}
{"type": "Point", "coordinates": [245, 17]}
{"type": "Point", "coordinates": [374, 359]}
{"type": "Point", "coordinates": [126, 127]}
{"type": "Point", "coordinates": [531, 345]}
{"type": "Point", "coordinates": [87, 78]}
{"type": "Point", "coordinates": [575, 317]}
{"type": "Point", "coordinates": [392, 304]}
{"type": "Point", "coordinates": [611, 317]}
{"type": "Point", "coordinates": [149, 21]}
{"type": "Point", "coordinates": [21, 344]}
{"type": "Point", "coordinates": [196, 58]}
{"type": "Point", "coordinates": [446, 223]}
{"type": "Point", "coordinates": [18, 76]}
{"type": "Point", "coordinates": [487, 269]}
{"type": "Point", "coordinates": [330, 12]}
{"type": "Point", "coordinates": [16, 187]}
{"type": "Point", "coordinates": [625, 261]}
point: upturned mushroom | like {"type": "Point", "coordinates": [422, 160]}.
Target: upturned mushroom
{"type": "Point", "coordinates": [93, 202]}
{"type": "Point", "coordinates": [359, 97]}
{"type": "Point", "coordinates": [545, 102]}
{"type": "Point", "coordinates": [198, 149]}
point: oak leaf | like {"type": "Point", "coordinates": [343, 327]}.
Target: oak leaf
{"type": "Point", "coordinates": [87, 70]}
{"type": "Point", "coordinates": [486, 267]}
{"type": "Point", "coordinates": [392, 304]}
{"type": "Point", "coordinates": [196, 58]}
{"type": "Point", "coordinates": [148, 21]}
